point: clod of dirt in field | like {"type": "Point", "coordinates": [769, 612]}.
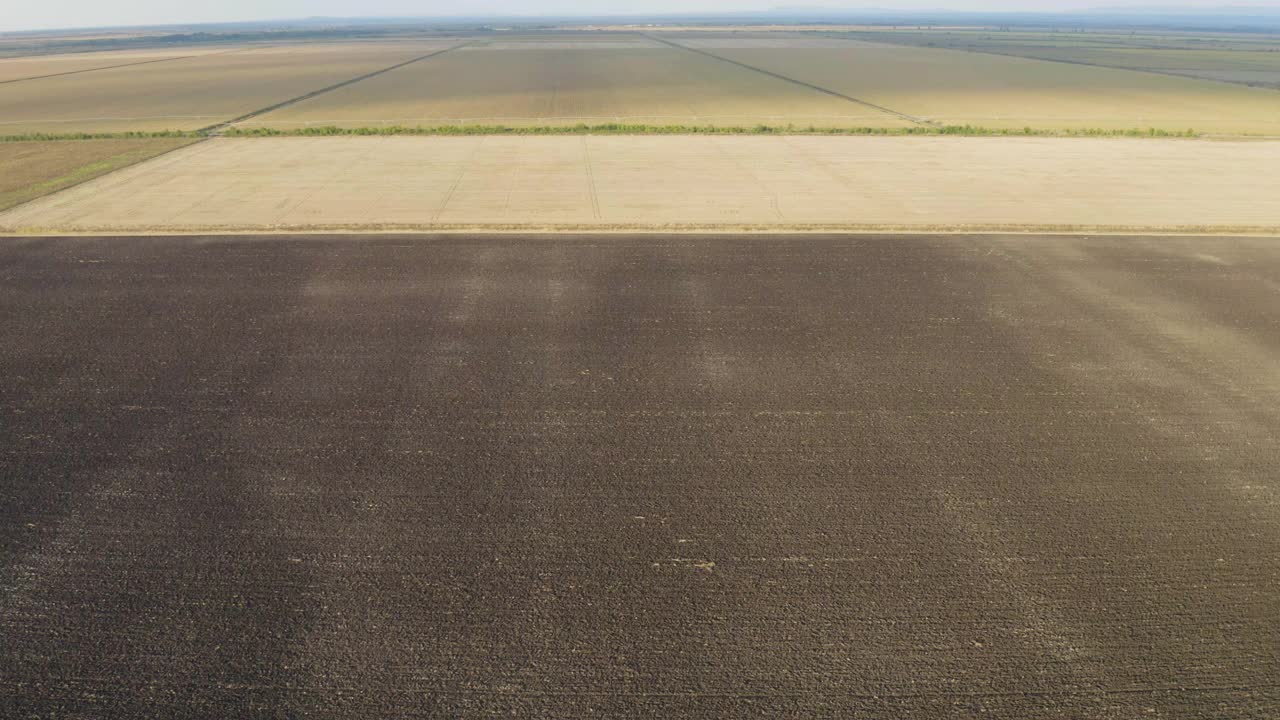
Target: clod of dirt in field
{"type": "Point", "coordinates": [700, 565]}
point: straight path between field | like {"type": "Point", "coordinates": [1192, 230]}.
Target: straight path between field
{"type": "Point", "coordinates": [200, 92]}
{"type": "Point", "coordinates": [103, 68]}
{"type": "Point", "coordinates": [215, 129]}
{"type": "Point", "coordinates": [801, 83]}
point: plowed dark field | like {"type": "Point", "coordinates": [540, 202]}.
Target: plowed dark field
{"type": "Point", "coordinates": [1031, 477]}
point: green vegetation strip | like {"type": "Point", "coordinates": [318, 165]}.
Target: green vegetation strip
{"type": "Point", "coordinates": [49, 137]}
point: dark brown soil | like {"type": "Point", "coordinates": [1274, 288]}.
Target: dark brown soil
{"type": "Point", "coordinates": [1031, 477]}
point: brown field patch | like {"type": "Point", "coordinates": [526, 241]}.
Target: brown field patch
{"type": "Point", "coordinates": [31, 169]}
{"type": "Point", "coordinates": [636, 477]}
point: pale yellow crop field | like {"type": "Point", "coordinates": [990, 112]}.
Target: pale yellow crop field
{"type": "Point", "coordinates": [958, 88]}
{"type": "Point", "coordinates": [566, 81]}
{"type": "Point", "coordinates": [192, 93]}
{"type": "Point", "coordinates": [20, 68]}
{"type": "Point", "coordinates": [601, 182]}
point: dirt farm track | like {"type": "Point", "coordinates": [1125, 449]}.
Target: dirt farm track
{"type": "Point", "coordinates": [647, 476]}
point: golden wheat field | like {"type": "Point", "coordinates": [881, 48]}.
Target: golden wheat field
{"type": "Point", "coordinates": [958, 88]}
{"type": "Point", "coordinates": [626, 79]}
{"type": "Point", "coordinates": [675, 181]}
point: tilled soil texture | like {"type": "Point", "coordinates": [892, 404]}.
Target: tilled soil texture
{"type": "Point", "coordinates": [645, 476]}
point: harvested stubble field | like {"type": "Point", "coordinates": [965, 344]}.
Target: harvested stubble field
{"type": "Point", "coordinates": [958, 88]}
{"type": "Point", "coordinates": [1239, 58]}
{"type": "Point", "coordinates": [31, 169]}
{"type": "Point", "coordinates": [778, 181]}
{"type": "Point", "coordinates": [662, 477]}
{"type": "Point", "coordinates": [525, 80]}
{"type": "Point", "coordinates": [194, 92]}
{"type": "Point", "coordinates": [589, 79]}
{"type": "Point", "coordinates": [1260, 68]}
{"type": "Point", "coordinates": [38, 66]}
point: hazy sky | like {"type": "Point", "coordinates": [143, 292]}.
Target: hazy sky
{"type": "Point", "coordinates": [39, 14]}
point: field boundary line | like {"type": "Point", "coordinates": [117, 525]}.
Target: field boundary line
{"type": "Point", "coordinates": [215, 129]}
{"type": "Point", "coordinates": [457, 180]}
{"type": "Point", "coordinates": [793, 81]}
{"type": "Point", "coordinates": [96, 69]}
{"type": "Point", "coordinates": [457, 130]}
{"type": "Point", "coordinates": [591, 178]}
